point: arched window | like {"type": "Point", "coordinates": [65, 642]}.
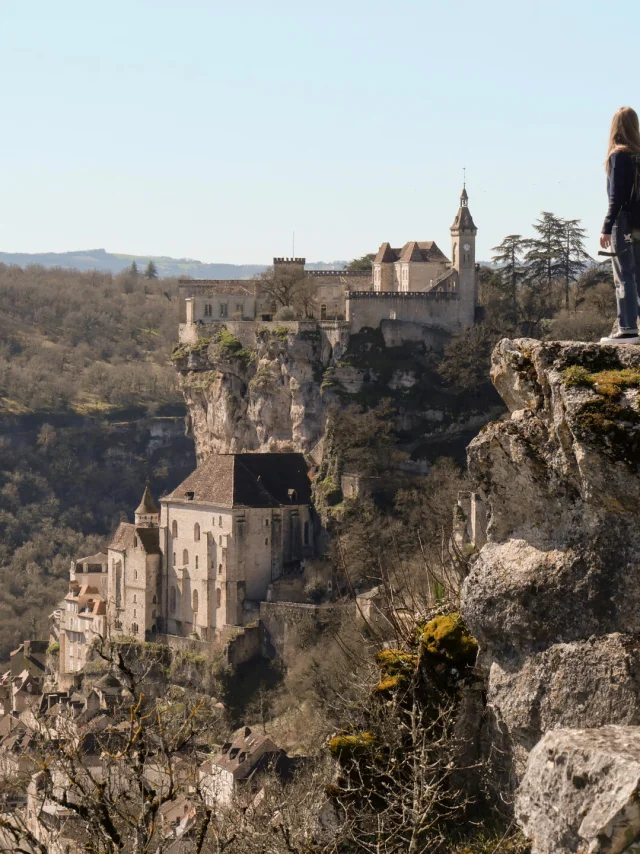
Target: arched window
{"type": "Point", "coordinates": [196, 533]}
{"type": "Point", "coordinates": [174, 558]}
{"type": "Point", "coordinates": [155, 600]}
{"type": "Point", "coordinates": [174, 528]}
{"type": "Point", "coordinates": [195, 601]}
{"type": "Point", "coordinates": [219, 569]}
{"type": "Point", "coordinates": [196, 561]}
{"type": "Point", "coordinates": [219, 541]}
{"type": "Point", "coordinates": [220, 521]}
{"type": "Point", "coordinates": [172, 600]}
{"type": "Point", "coordinates": [218, 597]}
{"type": "Point", "coordinates": [185, 557]}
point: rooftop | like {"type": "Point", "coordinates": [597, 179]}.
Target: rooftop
{"type": "Point", "coordinates": [425, 251]}
{"type": "Point", "coordinates": [247, 480]}
{"type": "Point", "coordinates": [123, 539]}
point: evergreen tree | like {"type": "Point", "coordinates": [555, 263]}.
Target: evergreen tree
{"type": "Point", "coordinates": [574, 256]}
{"type": "Point", "coordinates": [508, 256]}
{"type": "Point", "coordinates": [133, 270]}
{"type": "Point", "coordinates": [545, 254]}
{"type": "Point", "coordinates": [151, 272]}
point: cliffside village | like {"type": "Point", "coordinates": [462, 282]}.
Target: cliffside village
{"type": "Point", "coordinates": [227, 561]}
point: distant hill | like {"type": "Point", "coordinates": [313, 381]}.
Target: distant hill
{"type": "Point", "coordinates": [100, 259]}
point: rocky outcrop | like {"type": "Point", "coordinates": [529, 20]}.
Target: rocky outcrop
{"type": "Point", "coordinates": [256, 386]}
{"type": "Point", "coordinates": [582, 791]}
{"type": "Point", "coordinates": [554, 594]}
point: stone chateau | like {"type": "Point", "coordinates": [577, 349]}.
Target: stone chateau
{"type": "Point", "coordinates": [414, 284]}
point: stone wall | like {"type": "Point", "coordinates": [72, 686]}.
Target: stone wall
{"type": "Point", "coordinates": [280, 623]}
{"type": "Point", "coordinates": [369, 310]}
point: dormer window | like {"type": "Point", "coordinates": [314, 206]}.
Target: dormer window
{"type": "Point", "coordinates": [190, 495]}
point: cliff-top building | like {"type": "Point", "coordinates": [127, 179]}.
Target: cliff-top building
{"type": "Point", "coordinates": [413, 284]}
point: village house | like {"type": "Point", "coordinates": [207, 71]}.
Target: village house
{"type": "Point", "coordinates": [237, 765]}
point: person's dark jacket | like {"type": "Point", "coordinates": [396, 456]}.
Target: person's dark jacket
{"type": "Point", "coordinates": [623, 195]}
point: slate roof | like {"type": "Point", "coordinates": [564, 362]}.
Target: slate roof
{"type": "Point", "coordinates": [424, 251]}
{"type": "Point", "coordinates": [241, 750]}
{"type": "Point", "coordinates": [247, 480]}
{"type": "Point", "coordinates": [147, 505]}
{"type": "Point", "coordinates": [463, 217]}
{"type": "Point", "coordinates": [149, 538]}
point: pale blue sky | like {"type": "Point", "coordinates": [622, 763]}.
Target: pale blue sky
{"type": "Point", "coordinates": [213, 129]}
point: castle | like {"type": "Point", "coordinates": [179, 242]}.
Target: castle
{"type": "Point", "coordinates": [415, 284]}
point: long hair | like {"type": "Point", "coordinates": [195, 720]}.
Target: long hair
{"type": "Point", "coordinates": [624, 134]}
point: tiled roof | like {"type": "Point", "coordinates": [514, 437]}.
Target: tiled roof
{"type": "Point", "coordinates": [415, 251]}
{"type": "Point", "coordinates": [463, 219]}
{"type": "Point", "coordinates": [122, 540]}
{"type": "Point", "coordinates": [247, 480]}
{"type": "Point", "coordinates": [100, 558]}
{"type": "Point", "coordinates": [243, 749]}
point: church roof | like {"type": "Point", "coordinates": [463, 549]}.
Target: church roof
{"type": "Point", "coordinates": [247, 480]}
{"type": "Point", "coordinates": [416, 251]}
{"type": "Point", "coordinates": [147, 506]}
{"type": "Point", "coordinates": [149, 538]}
{"type": "Point", "coordinates": [219, 287]}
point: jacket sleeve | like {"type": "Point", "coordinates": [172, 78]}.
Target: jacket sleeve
{"type": "Point", "coordinates": [622, 172]}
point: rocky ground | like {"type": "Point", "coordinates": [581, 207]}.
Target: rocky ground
{"type": "Point", "coordinates": [553, 597]}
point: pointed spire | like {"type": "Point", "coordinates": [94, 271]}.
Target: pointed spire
{"type": "Point", "coordinates": [147, 506]}
{"type": "Point", "coordinates": [464, 198]}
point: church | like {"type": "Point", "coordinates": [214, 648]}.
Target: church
{"type": "Point", "coordinates": [205, 558]}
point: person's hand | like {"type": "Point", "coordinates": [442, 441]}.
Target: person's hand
{"type": "Point", "coordinates": [605, 241]}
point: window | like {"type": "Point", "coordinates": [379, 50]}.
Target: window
{"type": "Point", "coordinates": [266, 542]}
{"type": "Point", "coordinates": [219, 541]}
{"type": "Point", "coordinates": [240, 308]}
{"type": "Point", "coordinates": [220, 521]}
{"type": "Point", "coordinates": [218, 597]}
{"type": "Point", "coordinates": [174, 528]}
{"type": "Point", "coordinates": [208, 309]}
{"type": "Point", "coordinates": [219, 569]}
{"type": "Point", "coordinates": [153, 614]}
{"type": "Point", "coordinates": [196, 533]}
{"type": "Point", "coordinates": [135, 574]}
{"type": "Point", "coordinates": [196, 561]}
{"type": "Point", "coordinates": [323, 312]}
{"type": "Point", "coordinates": [134, 612]}
{"type": "Point", "coordinates": [185, 557]}
{"type": "Point", "coordinates": [172, 600]}
{"type": "Point", "coordinates": [306, 533]}
{"type": "Point", "coordinates": [195, 602]}
{"type": "Point", "coordinates": [155, 600]}
{"type": "Point", "coordinates": [223, 309]}
{"type": "Point", "coordinates": [135, 599]}
{"type": "Point", "coordinates": [266, 523]}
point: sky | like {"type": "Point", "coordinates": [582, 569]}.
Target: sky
{"type": "Point", "coordinates": [214, 130]}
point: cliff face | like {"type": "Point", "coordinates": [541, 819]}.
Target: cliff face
{"type": "Point", "coordinates": [554, 595]}
{"type": "Point", "coordinates": [272, 387]}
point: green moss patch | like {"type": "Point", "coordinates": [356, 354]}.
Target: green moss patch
{"type": "Point", "coordinates": [394, 661]}
{"type": "Point", "coordinates": [348, 747]}
{"type": "Point", "coordinates": [447, 637]}
{"type": "Point", "coordinates": [230, 349]}
{"type": "Point", "coordinates": [608, 383]}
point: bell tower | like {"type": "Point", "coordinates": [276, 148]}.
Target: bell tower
{"type": "Point", "coordinates": [463, 258]}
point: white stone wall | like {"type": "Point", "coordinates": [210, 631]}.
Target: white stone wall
{"type": "Point", "coordinates": [444, 310]}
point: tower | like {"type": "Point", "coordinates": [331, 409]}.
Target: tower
{"type": "Point", "coordinates": [463, 258]}
{"type": "Point", "coordinates": [147, 514]}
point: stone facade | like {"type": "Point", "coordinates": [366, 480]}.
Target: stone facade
{"type": "Point", "coordinates": [205, 560]}
{"type": "Point", "coordinates": [414, 284]}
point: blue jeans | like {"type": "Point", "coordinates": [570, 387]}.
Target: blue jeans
{"type": "Point", "coordinates": [626, 271]}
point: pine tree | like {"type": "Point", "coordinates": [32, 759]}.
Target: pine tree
{"type": "Point", "coordinates": [574, 256]}
{"type": "Point", "coordinates": [508, 256]}
{"type": "Point", "coordinates": [133, 270]}
{"type": "Point", "coordinates": [545, 254]}
{"type": "Point", "coordinates": [151, 272]}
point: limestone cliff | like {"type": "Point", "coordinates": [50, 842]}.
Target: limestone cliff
{"type": "Point", "coordinates": [554, 594]}
{"type": "Point", "coordinates": [272, 386]}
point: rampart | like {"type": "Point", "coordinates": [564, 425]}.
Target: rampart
{"type": "Point", "coordinates": [368, 308]}
{"type": "Point", "coordinates": [282, 622]}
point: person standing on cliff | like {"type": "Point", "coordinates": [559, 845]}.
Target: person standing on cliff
{"type": "Point", "coordinates": [621, 229]}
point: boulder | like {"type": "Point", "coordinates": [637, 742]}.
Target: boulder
{"type": "Point", "coordinates": [581, 792]}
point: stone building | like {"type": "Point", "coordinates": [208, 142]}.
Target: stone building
{"type": "Point", "coordinates": [207, 558]}
{"type": "Point", "coordinates": [227, 532]}
{"type": "Point", "coordinates": [416, 283]}
{"type": "Point", "coordinates": [135, 564]}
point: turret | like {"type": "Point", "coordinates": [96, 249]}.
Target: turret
{"type": "Point", "coordinates": [147, 512]}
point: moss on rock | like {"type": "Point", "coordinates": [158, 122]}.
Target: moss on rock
{"type": "Point", "coordinates": [348, 747]}
{"type": "Point", "coordinates": [448, 638]}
